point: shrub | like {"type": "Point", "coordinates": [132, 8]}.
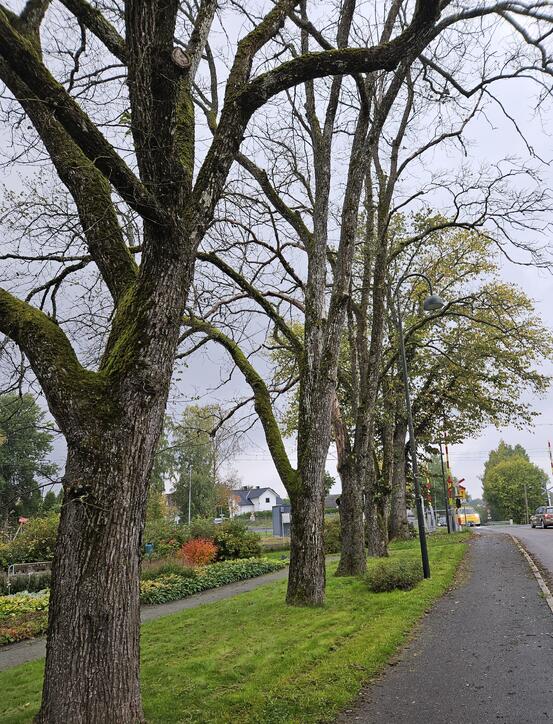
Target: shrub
{"type": "Point", "coordinates": [167, 537]}
{"type": "Point", "coordinates": [154, 569]}
{"type": "Point", "coordinates": [35, 542]}
{"type": "Point", "coordinates": [234, 540]}
{"type": "Point", "coordinates": [25, 582]}
{"type": "Point", "coordinates": [173, 587]}
{"type": "Point", "coordinates": [23, 603]}
{"type": "Point", "coordinates": [392, 573]}
{"type": "Point", "coordinates": [331, 536]}
{"type": "Point", "coordinates": [203, 528]}
{"type": "Point", "coordinates": [198, 552]}
{"type": "Point", "coordinates": [23, 626]}
{"type": "Point", "coordinates": [23, 616]}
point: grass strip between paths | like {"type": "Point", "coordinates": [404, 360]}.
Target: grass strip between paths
{"type": "Point", "coordinates": [251, 658]}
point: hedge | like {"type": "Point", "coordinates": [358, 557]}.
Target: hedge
{"type": "Point", "coordinates": [171, 587]}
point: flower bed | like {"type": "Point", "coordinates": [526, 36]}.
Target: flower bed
{"type": "Point", "coordinates": [171, 587]}
{"type": "Point", "coordinates": [22, 616]}
{"type": "Point", "coordinates": [25, 615]}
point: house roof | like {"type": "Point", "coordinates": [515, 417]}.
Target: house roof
{"type": "Point", "coordinates": [242, 496]}
{"type": "Point", "coordinates": [246, 497]}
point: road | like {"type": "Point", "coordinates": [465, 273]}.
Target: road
{"type": "Point", "coordinates": [484, 653]}
{"type": "Point", "coordinates": [538, 542]}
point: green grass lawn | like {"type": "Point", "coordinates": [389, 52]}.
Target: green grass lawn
{"type": "Point", "coordinates": [251, 658]}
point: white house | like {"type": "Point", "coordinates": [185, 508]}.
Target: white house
{"type": "Point", "coordinates": [253, 500]}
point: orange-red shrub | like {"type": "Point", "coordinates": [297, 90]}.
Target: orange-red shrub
{"type": "Point", "coordinates": [198, 552]}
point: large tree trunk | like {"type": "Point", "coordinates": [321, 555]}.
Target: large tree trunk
{"type": "Point", "coordinates": [94, 603]}
{"type": "Point", "coordinates": [398, 527]}
{"type": "Point", "coordinates": [306, 577]}
{"type": "Point", "coordinates": [352, 535]}
{"type": "Point", "coordinates": [377, 532]}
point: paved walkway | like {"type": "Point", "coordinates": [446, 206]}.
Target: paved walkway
{"type": "Point", "coordinates": [483, 654]}
{"type": "Point", "coordinates": [24, 651]}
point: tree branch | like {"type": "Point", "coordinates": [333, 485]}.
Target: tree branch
{"type": "Point", "coordinates": [262, 401]}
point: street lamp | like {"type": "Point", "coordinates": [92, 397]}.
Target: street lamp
{"type": "Point", "coordinates": [431, 304]}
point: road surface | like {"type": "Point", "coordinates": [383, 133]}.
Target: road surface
{"type": "Point", "coordinates": [483, 655]}
{"type": "Point", "coordinates": [538, 542]}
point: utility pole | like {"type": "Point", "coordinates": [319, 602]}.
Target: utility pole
{"type": "Point", "coordinates": [547, 490]}
{"type": "Point", "coordinates": [189, 493]}
{"type": "Point", "coordinates": [446, 492]}
{"type": "Point", "coordinates": [526, 503]}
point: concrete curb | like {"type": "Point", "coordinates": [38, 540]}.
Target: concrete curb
{"type": "Point", "coordinates": [541, 583]}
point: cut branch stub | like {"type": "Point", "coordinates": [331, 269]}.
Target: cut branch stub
{"type": "Point", "coordinates": [181, 58]}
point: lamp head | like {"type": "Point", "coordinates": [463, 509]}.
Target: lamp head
{"type": "Point", "coordinates": [433, 303]}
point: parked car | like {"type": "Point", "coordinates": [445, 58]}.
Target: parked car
{"type": "Point", "coordinates": [467, 516]}
{"type": "Point", "coordinates": [543, 517]}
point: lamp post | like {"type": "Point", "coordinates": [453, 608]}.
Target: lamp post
{"type": "Point", "coordinates": [432, 303]}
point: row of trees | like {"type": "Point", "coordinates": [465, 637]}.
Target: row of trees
{"type": "Point", "coordinates": [300, 230]}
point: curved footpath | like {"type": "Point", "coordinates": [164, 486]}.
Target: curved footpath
{"type": "Point", "coordinates": [24, 651]}
{"type": "Point", "coordinates": [483, 654]}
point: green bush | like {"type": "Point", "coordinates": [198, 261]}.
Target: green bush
{"type": "Point", "coordinates": [166, 536]}
{"type": "Point", "coordinates": [390, 574]}
{"type": "Point", "coordinates": [203, 528]}
{"type": "Point", "coordinates": [23, 582]}
{"type": "Point", "coordinates": [23, 616]}
{"type": "Point", "coordinates": [173, 587]}
{"type": "Point", "coordinates": [153, 569]}
{"type": "Point", "coordinates": [35, 542]}
{"type": "Point", "coordinates": [331, 536]}
{"type": "Point", "coordinates": [234, 540]}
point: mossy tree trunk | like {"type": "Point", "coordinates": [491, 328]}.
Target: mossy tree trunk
{"type": "Point", "coordinates": [352, 533]}
{"type": "Point", "coordinates": [94, 600]}
{"type": "Point", "coordinates": [306, 578]}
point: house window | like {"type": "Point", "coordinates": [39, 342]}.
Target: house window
{"type": "Point", "coordinates": [267, 500]}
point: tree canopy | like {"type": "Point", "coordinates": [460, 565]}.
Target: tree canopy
{"type": "Point", "coordinates": [25, 446]}
{"type": "Point", "coordinates": [510, 481]}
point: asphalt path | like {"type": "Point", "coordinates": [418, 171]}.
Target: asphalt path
{"type": "Point", "coordinates": [538, 542]}
{"type": "Point", "coordinates": [483, 654]}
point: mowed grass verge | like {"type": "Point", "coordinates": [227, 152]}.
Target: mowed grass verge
{"type": "Point", "coordinates": [251, 658]}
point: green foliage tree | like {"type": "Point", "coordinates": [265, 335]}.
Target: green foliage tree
{"type": "Point", "coordinates": [504, 452]}
{"type": "Point", "coordinates": [26, 445]}
{"type": "Point", "coordinates": [193, 461]}
{"type": "Point", "coordinates": [510, 481]}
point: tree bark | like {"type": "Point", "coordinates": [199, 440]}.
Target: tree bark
{"type": "Point", "coordinates": [306, 577]}
{"type": "Point", "coordinates": [352, 557]}
{"type": "Point", "coordinates": [376, 530]}
{"type": "Point", "coordinates": [94, 603]}
{"type": "Point", "coordinates": [398, 527]}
